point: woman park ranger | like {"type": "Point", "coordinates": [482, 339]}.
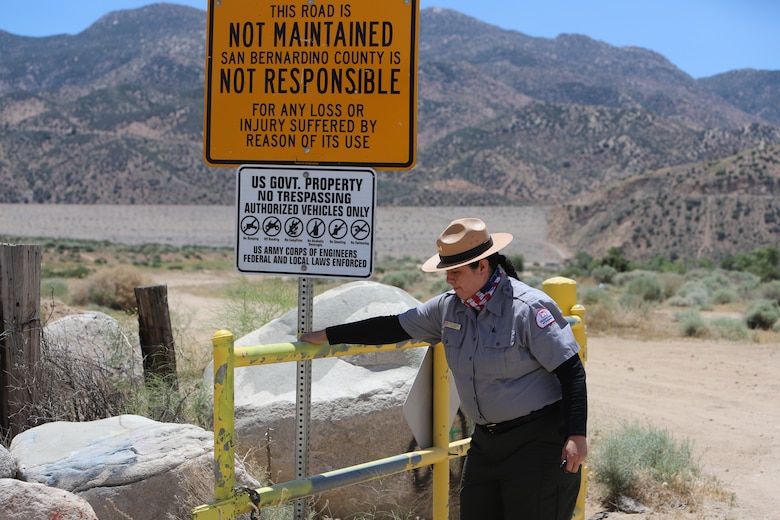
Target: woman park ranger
{"type": "Point", "coordinates": [516, 366]}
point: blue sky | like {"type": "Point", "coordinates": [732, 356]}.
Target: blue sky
{"type": "Point", "coordinates": [701, 37]}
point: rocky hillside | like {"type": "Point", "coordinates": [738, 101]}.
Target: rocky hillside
{"type": "Point", "coordinates": [115, 115]}
{"type": "Point", "coordinates": [703, 210]}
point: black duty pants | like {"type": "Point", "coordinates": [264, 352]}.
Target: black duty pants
{"type": "Point", "coordinates": [516, 475]}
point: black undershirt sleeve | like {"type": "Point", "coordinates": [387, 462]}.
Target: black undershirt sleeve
{"type": "Point", "coordinates": [373, 331]}
{"type": "Point", "coordinates": [387, 329]}
{"type": "Point", "coordinates": [571, 375]}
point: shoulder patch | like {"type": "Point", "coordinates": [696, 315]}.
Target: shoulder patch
{"type": "Point", "coordinates": [544, 318]}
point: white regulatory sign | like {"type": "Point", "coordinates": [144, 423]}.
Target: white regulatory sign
{"type": "Point", "coordinates": [305, 221]}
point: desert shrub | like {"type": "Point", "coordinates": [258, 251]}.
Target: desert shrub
{"type": "Point", "coordinates": [403, 279]}
{"type": "Point", "coordinates": [691, 324]}
{"type": "Point", "coordinates": [439, 286]}
{"type": "Point", "coordinates": [603, 273]}
{"type": "Point", "coordinates": [79, 388]}
{"type": "Point", "coordinates": [771, 291]}
{"type": "Point", "coordinates": [594, 295]}
{"type": "Point", "coordinates": [729, 328]}
{"type": "Point", "coordinates": [627, 312]}
{"type": "Point", "coordinates": [112, 288]}
{"type": "Point", "coordinates": [691, 294]}
{"type": "Point", "coordinates": [248, 305]}
{"type": "Point", "coordinates": [532, 280]}
{"type": "Point", "coordinates": [714, 280]}
{"type": "Point", "coordinates": [55, 288]}
{"type": "Point", "coordinates": [646, 287]}
{"type": "Point", "coordinates": [643, 463]}
{"type": "Point", "coordinates": [671, 283]}
{"type": "Point", "coordinates": [764, 263]}
{"type": "Point", "coordinates": [67, 271]}
{"type": "Point", "coordinates": [617, 259]}
{"type": "Point", "coordinates": [762, 315]}
{"type": "Point", "coordinates": [744, 279]}
{"type": "Point", "coordinates": [723, 296]}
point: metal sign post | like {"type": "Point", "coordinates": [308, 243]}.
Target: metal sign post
{"type": "Point", "coordinates": [313, 221]}
{"type": "Point", "coordinates": [303, 394]}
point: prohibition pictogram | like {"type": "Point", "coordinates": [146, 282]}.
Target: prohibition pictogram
{"type": "Point", "coordinates": [293, 227]}
{"type": "Point", "coordinates": [316, 228]}
{"type": "Point", "coordinates": [250, 226]}
{"type": "Point", "coordinates": [272, 226]}
{"type": "Point", "coordinates": [338, 229]}
{"type": "Point", "coordinates": [360, 229]}
{"type": "Point", "coordinates": [311, 237]}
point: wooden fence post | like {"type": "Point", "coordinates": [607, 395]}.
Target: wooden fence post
{"type": "Point", "coordinates": [154, 331]}
{"type": "Point", "coordinates": [20, 334]}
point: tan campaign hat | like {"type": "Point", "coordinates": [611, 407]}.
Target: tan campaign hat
{"type": "Point", "coordinates": [464, 241]}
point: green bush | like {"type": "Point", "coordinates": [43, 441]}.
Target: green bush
{"type": "Point", "coordinates": [691, 294]}
{"type": "Point", "coordinates": [723, 296]}
{"type": "Point", "coordinates": [762, 315]}
{"type": "Point", "coordinates": [691, 324]}
{"type": "Point", "coordinates": [729, 328]}
{"type": "Point", "coordinates": [532, 280]}
{"type": "Point", "coordinates": [403, 279]}
{"type": "Point", "coordinates": [764, 263]}
{"type": "Point", "coordinates": [590, 295]}
{"type": "Point", "coordinates": [439, 286]}
{"type": "Point", "coordinates": [646, 287]}
{"type": "Point", "coordinates": [771, 291]}
{"type": "Point", "coordinates": [55, 289]}
{"type": "Point", "coordinates": [111, 288]}
{"type": "Point", "coordinates": [603, 273]}
{"type": "Point", "coordinates": [636, 461]}
{"type": "Point", "coordinates": [248, 305]}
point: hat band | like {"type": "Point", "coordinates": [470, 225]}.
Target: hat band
{"type": "Point", "coordinates": [467, 255]}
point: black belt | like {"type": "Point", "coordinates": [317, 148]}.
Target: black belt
{"type": "Point", "coordinates": [503, 427]}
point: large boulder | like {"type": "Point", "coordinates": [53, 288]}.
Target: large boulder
{"type": "Point", "coordinates": [126, 466]}
{"type": "Point", "coordinates": [7, 463]}
{"type": "Point", "coordinates": [357, 402]}
{"type": "Point", "coordinates": [97, 338]}
{"type": "Point", "coordinates": [26, 501]}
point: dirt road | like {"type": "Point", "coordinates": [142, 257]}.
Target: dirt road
{"type": "Point", "coordinates": [719, 395]}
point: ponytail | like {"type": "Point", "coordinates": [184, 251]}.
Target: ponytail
{"type": "Point", "coordinates": [497, 259]}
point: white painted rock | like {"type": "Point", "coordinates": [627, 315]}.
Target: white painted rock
{"type": "Point", "coordinates": [126, 466]}
{"type": "Point", "coordinates": [26, 501]}
{"type": "Point", "coordinates": [96, 337]}
{"type": "Point", "coordinates": [7, 463]}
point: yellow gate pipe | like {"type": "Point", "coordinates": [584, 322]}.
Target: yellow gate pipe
{"type": "Point", "coordinates": [564, 292]}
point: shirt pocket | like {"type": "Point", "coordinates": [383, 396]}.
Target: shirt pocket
{"type": "Point", "coordinates": [501, 357]}
{"type": "Point", "coordinates": [452, 339]}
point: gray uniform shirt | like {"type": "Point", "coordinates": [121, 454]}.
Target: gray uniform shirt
{"type": "Point", "coordinates": [501, 358]}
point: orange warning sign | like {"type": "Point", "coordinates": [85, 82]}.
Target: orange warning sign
{"type": "Point", "coordinates": [311, 82]}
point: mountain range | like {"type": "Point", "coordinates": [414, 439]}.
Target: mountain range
{"type": "Point", "coordinates": [622, 146]}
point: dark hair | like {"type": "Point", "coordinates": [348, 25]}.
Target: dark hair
{"type": "Point", "coordinates": [497, 259]}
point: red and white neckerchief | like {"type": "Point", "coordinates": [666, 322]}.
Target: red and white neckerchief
{"type": "Point", "coordinates": [481, 297]}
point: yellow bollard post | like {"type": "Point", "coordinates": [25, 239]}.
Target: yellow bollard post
{"type": "Point", "coordinates": [564, 292]}
{"type": "Point", "coordinates": [224, 421]}
{"type": "Point", "coordinates": [441, 433]}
